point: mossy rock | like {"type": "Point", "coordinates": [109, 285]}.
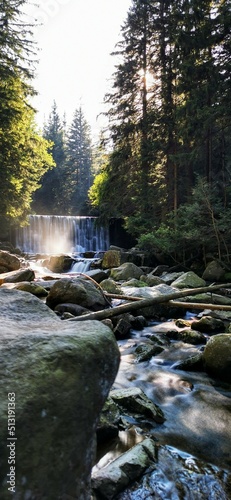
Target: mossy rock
{"type": "Point", "coordinates": [217, 357]}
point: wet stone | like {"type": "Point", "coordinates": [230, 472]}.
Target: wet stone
{"type": "Point", "coordinates": [207, 324]}
{"type": "Point", "coordinates": [134, 400]}
{"type": "Point", "coordinates": [194, 363]}
{"type": "Point", "coordinates": [144, 352]}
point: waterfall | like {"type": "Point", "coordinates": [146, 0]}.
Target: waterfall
{"type": "Point", "coordinates": [54, 234]}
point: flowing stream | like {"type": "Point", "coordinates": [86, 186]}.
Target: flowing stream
{"type": "Point", "coordinates": [195, 437]}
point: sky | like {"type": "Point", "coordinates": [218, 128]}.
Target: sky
{"type": "Point", "coordinates": [74, 43]}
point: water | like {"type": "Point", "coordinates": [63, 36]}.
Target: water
{"type": "Point", "coordinates": [194, 442]}
{"type": "Point", "coordinates": [197, 408]}
{"type": "Point", "coordinates": [55, 234]}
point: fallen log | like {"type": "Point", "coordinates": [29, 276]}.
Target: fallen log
{"type": "Point", "coordinates": [139, 304]}
{"type": "Point", "coordinates": [185, 305]}
{"type": "Point", "coordinates": [198, 305]}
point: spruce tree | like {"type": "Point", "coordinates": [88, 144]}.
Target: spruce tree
{"type": "Point", "coordinates": [50, 198]}
{"type": "Point", "coordinates": [23, 153]}
{"type": "Point", "coordinates": [79, 163]}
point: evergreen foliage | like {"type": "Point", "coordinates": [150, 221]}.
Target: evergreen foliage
{"type": "Point", "coordinates": [23, 152]}
{"type": "Point", "coordinates": [79, 163]}
{"type": "Point", "coordinates": [169, 118]}
{"type": "Point", "coordinates": [64, 190]}
{"type": "Point", "coordinates": [49, 198]}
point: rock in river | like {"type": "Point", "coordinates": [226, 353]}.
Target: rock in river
{"type": "Point", "coordinates": [57, 376]}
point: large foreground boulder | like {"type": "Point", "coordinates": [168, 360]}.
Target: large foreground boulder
{"type": "Point", "coordinates": [54, 379]}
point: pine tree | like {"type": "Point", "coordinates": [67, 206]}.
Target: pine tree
{"type": "Point", "coordinates": [23, 153]}
{"type": "Point", "coordinates": [131, 114]}
{"type": "Point", "coordinates": [163, 135]}
{"type": "Point", "coordinates": [79, 163]}
{"type": "Point", "coordinates": [50, 199]}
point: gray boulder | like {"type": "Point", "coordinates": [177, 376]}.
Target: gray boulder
{"type": "Point", "coordinates": [188, 336]}
{"type": "Point", "coordinates": [111, 258]}
{"type": "Point", "coordinates": [213, 271]}
{"type": "Point", "coordinates": [76, 291]}
{"type": "Point", "coordinates": [54, 379]}
{"type": "Point", "coordinates": [110, 480]}
{"type": "Point", "coordinates": [135, 400]}
{"type": "Point", "coordinates": [168, 278]}
{"type": "Point", "coordinates": [217, 356]}
{"type": "Point", "coordinates": [144, 352]}
{"type": "Point", "coordinates": [8, 262]}
{"type": "Point", "coordinates": [188, 280]}
{"type": "Point", "coordinates": [151, 280]}
{"type": "Point", "coordinates": [110, 286]}
{"type": "Point", "coordinates": [156, 310]}
{"type": "Point", "coordinates": [96, 274]}
{"type": "Point", "coordinates": [27, 286]}
{"type": "Point", "coordinates": [125, 272]}
{"type": "Point", "coordinates": [17, 276]}
{"type": "Point", "coordinates": [208, 324]}
{"type": "Point", "coordinates": [59, 263]}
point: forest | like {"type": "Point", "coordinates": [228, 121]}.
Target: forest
{"type": "Point", "coordinates": [162, 164]}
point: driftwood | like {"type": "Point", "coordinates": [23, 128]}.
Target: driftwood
{"type": "Point", "coordinates": [139, 304]}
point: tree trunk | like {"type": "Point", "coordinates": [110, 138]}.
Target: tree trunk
{"type": "Point", "coordinates": [139, 304]}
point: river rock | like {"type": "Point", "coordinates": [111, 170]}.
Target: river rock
{"type": "Point", "coordinates": [151, 279]}
{"type": "Point", "coordinates": [144, 352]}
{"type": "Point", "coordinates": [188, 280]}
{"type": "Point", "coordinates": [138, 322]}
{"type": "Point", "coordinates": [122, 328]}
{"type": "Point", "coordinates": [57, 376]}
{"type": "Point", "coordinates": [17, 276]}
{"type": "Point", "coordinates": [156, 310]}
{"type": "Point", "coordinates": [59, 263]}
{"type": "Point", "coordinates": [168, 278]}
{"type": "Point", "coordinates": [134, 400]}
{"type": "Point", "coordinates": [213, 272]}
{"type": "Point", "coordinates": [96, 274]}
{"type": "Point", "coordinates": [116, 476]}
{"type": "Point", "coordinates": [217, 356]}
{"type": "Point", "coordinates": [111, 258]}
{"type": "Point", "coordinates": [74, 309]}
{"type": "Point", "coordinates": [188, 336]}
{"type": "Point", "coordinates": [26, 286]}
{"type": "Point", "coordinates": [110, 286]}
{"type": "Point", "coordinates": [8, 262]}
{"type": "Point", "coordinates": [125, 272]}
{"type": "Point", "coordinates": [108, 426]}
{"type": "Point", "coordinates": [133, 282]}
{"type": "Point", "coordinates": [192, 363]}
{"type": "Point", "coordinates": [208, 324]}
{"type": "Point", "coordinates": [76, 291]}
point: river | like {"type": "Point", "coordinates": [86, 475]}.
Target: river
{"type": "Point", "coordinates": [195, 439]}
